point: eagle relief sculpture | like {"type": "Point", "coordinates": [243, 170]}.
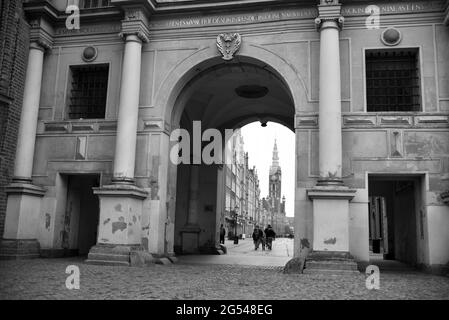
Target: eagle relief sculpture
{"type": "Point", "coordinates": [228, 44]}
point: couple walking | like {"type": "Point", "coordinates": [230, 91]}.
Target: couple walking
{"type": "Point", "coordinates": [265, 237]}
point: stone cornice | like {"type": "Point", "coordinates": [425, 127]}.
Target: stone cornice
{"type": "Point", "coordinates": [121, 190]}
{"type": "Point", "coordinates": [331, 192]}
{"type": "Point", "coordinates": [36, 10]}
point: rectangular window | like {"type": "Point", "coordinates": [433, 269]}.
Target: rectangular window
{"type": "Point", "coordinates": [392, 80]}
{"type": "Point", "coordinates": [90, 4]}
{"type": "Point", "coordinates": [88, 91]}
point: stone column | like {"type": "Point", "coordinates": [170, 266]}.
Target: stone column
{"type": "Point", "coordinates": [125, 146]}
{"type": "Point", "coordinates": [330, 196]}
{"type": "Point", "coordinates": [330, 136]}
{"type": "Point", "coordinates": [121, 203]}
{"type": "Point", "coordinates": [24, 198]}
{"type": "Point", "coordinates": [28, 118]}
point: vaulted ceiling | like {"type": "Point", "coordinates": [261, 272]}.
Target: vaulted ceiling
{"type": "Point", "coordinates": [232, 94]}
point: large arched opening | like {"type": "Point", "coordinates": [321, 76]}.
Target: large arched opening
{"type": "Point", "coordinates": [220, 95]}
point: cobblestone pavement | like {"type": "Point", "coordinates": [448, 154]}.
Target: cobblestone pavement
{"type": "Point", "coordinates": [243, 253]}
{"type": "Point", "coordinates": [45, 279]}
{"type": "Point", "coordinates": [281, 247]}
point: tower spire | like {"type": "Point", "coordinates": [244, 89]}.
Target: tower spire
{"type": "Point", "coordinates": [275, 159]}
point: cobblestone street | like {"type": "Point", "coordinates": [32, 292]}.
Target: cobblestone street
{"type": "Point", "coordinates": [45, 279]}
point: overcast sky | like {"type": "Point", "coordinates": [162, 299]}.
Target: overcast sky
{"type": "Point", "coordinates": [259, 144]}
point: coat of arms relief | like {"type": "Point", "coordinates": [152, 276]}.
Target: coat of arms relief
{"type": "Point", "coordinates": [228, 44]}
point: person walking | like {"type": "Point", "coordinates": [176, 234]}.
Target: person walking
{"type": "Point", "coordinates": [257, 237]}
{"type": "Point", "coordinates": [222, 234]}
{"type": "Point", "coordinates": [270, 235]}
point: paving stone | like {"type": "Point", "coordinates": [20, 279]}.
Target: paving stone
{"type": "Point", "coordinates": [45, 279]}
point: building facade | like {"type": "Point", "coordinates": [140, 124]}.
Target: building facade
{"type": "Point", "coordinates": [363, 84]}
{"type": "Point", "coordinates": [242, 193]}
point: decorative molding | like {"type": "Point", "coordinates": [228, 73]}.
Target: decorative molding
{"type": "Point", "coordinates": [135, 22]}
{"type": "Point", "coordinates": [25, 188]}
{"type": "Point", "coordinates": [396, 144]}
{"type": "Point", "coordinates": [228, 44]}
{"type": "Point", "coordinates": [396, 120]}
{"type": "Point", "coordinates": [382, 120]}
{"type": "Point", "coordinates": [76, 126]}
{"type": "Point", "coordinates": [56, 127]}
{"type": "Point", "coordinates": [329, 11]}
{"type": "Point", "coordinates": [331, 192]}
{"type": "Point", "coordinates": [40, 35]}
{"type": "Point", "coordinates": [158, 125]}
{"type": "Point", "coordinates": [359, 121]}
{"type": "Point", "coordinates": [89, 54]}
{"type": "Point", "coordinates": [81, 148]}
{"type": "Point", "coordinates": [306, 121]}
{"type": "Point", "coordinates": [432, 120]}
{"type": "Point", "coordinates": [390, 32]}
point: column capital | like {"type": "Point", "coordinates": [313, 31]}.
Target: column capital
{"type": "Point", "coordinates": [136, 23]}
{"type": "Point", "coordinates": [41, 35]}
{"type": "Point", "coordinates": [329, 15]}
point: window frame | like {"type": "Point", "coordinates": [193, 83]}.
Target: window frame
{"type": "Point", "coordinates": [83, 2]}
{"type": "Point", "coordinates": [419, 59]}
{"type": "Point", "coordinates": [69, 88]}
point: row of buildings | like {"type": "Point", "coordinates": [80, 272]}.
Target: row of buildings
{"type": "Point", "coordinates": [244, 207]}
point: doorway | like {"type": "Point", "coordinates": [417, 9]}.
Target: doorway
{"type": "Point", "coordinates": [81, 214]}
{"type": "Point", "coordinates": [396, 227]}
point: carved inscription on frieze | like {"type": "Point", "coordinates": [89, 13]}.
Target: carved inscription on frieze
{"type": "Point", "coordinates": [291, 14]}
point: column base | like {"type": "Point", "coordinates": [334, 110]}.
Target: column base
{"type": "Point", "coordinates": [120, 214]}
{"type": "Point", "coordinates": [119, 255]}
{"type": "Point", "coordinates": [331, 217]}
{"type": "Point", "coordinates": [330, 262]}
{"type": "Point", "coordinates": [22, 221]}
{"type": "Point", "coordinates": [13, 249]}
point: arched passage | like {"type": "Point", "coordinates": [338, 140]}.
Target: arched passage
{"type": "Point", "coordinates": [219, 95]}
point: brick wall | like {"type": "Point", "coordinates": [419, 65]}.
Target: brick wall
{"type": "Point", "coordinates": [14, 44]}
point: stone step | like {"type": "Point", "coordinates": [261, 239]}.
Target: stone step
{"type": "Point", "coordinates": [332, 265]}
{"type": "Point", "coordinates": [330, 272]}
{"type": "Point", "coordinates": [18, 255]}
{"type": "Point", "coordinates": [107, 262]}
{"type": "Point", "coordinates": [108, 256]}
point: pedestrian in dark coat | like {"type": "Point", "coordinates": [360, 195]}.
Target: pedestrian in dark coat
{"type": "Point", "coordinates": [270, 235]}
{"type": "Point", "coordinates": [257, 237]}
{"type": "Point", "coordinates": [222, 234]}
